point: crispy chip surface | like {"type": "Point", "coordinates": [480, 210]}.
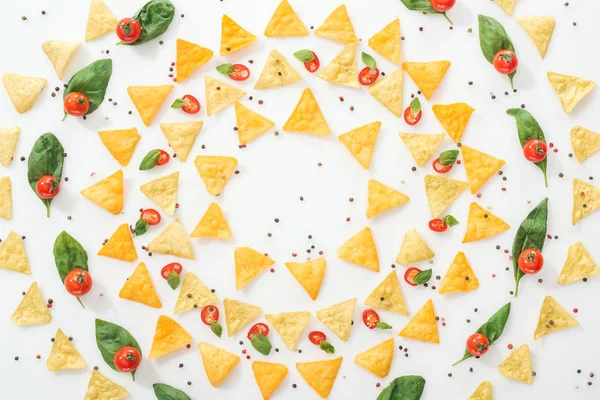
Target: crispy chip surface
{"type": "Point", "coordinates": [32, 310]}
{"type": "Point", "coordinates": [107, 193]}
{"type": "Point", "coordinates": [8, 144]}
{"type": "Point", "coordinates": [337, 26]}
{"type": "Point", "coordinates": [268, 376]}
{"type": "Point", "coordinates": [586, 200]}
{"type": "Point", "coordinates": [441, 192]}
{"type": "Point", "coordinates": [320, 375]}
{"type": "Point", "coordinates": [5, 198]}
{"type": "Point", "coordinates": [168, 337]}
{"type": "Point", "coordinates": [120, 245]}
{"type": "Point", "coordinates": [219, 95]}
{"type": "Point", "coordinates": [585, 143]}
{"type": "Point", "coordinates": [454, 118]}
{"type": "Point", "coordinates": [193, 292]}
{"type": "Point", "coordinates": [120, 143]}
{"type": "Point", "coordinates": [276, 72]}
{"type": "Point", "coordinates": [459, 277]}
{"type": "Point", "coordinates": [100, 21]}
{"type": "Point", "coordinates": [507, 5]}
{"type": "Point", "coordinates": [414, 249]}
{"type": "Point", "coordinates": [387, 41]}
{"type": "Point", "coordinates": [553, 318]}
{"type": "Point", "coordinates": [249, 264]}
{"type": "Point", "coordinates": [309, 274]}
{"type": "Point", "coordinates": [342, 69]}
{"type": "Point", "coordinates": [338, 318]}
{"type": "Point", "coordinates": [360, 249]}
{"type": "Point", "coordinates": [238, 315]}
{"type": "Point", "coordinates": [421, 145]}
{"type": "Point", "coordinates": [383, 198]}
{"type": "Point", "coordinates": [148, 99]}
{"type": "Point", "coordinates": [422, 326]}
{"type": "Point", "coordinates": [172, 241]}
{"type": "Point", "coordinates": [63, 354]}
{"type": "Point", "coordinates": [23, 91]}
{"type": "Point", "coordinates": [361, 142]}
{"type": "Point", "coordinates": [289, 325]}
{"type": "Point", "coordinates": [102, 388]}
{"type": "Point", "coordinates": [307, 117]}
{"type": "Point", "coordinates": [233, 36]}
{"type": "Point", "coordinates": [579, 265]}
{"type": "Point", "coordinates": [388, 296]}
{"type": "Point", "coordinates": [181, 136]}
{"type": "Point", "coordinates": [482, 224]}
{"type": "Point", "coordinates": [218, 363]}
{"type": "Point", "coordinates": [388, 91]}
{"type": "Point", "coordinates": [479, 167]}
{"type": "Point", "coordinates": [377, 359]}
{"type": "Point", "coordinates": [190, 57]}
{"type": "Point", "coordinates": [163, 192]}
{"type": "Point", "coordinates": [518, 365]}
{"type": "Point", "coordinates": [215, 171]}
{"type": "Point", "coordinates": [139, 288]}
{"type": "Point", "coordinates": [213, 224]}
{"type": "Point", "coordinates": [250, 124]}
{"type": "Point", "coordinates": [12, 254]}
{"type": "Point", "coordinates": [285, 22]}
{"type": "Point", "coordinates": [59, 54]}
{"type": "Point", "coordinates": [570, 89]}
{"type": "Point", "coordinates": [427, 75]}
{"type": "Point", "coordinates": [483, 392]}
{"type": "Point", "coordinates": [540, 30]}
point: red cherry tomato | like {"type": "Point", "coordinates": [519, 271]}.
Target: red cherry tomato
{"type": "Point", "coordinates": [78, 282]}
{"type": "Point", "coordinates": [442, 5]}
{"type": "Point", "coordinates": [439, 168]}
{"type": "Point", "coordinates": [173, 267]}
{"type": "Point", "coordinates": [370, 318]}
{"type": "Point", "coordinates": [410, 118]}
{"type": "Point", "coordinates": [535, 150]}
{"type": "Point", "coordinates": [312, 65]}
{"type": "Point", "coordinates": [368, 75]}
{"type": "Point", "coordinates": [530, 261]}
{"type": "Point", "coordinates": [47, 187]}
{"type": "Point", "coordinates": [163, 158]}
{"type": "Point", "coordinates": [191, 106]}
{"type": "Point", "coordinates": [316, 337]}
{"type": "Point", "coordinates": [209, 315]}
{"type": "Point", "coordinates": [478, 344]}
{"type": "Point", "coordinates": [410, 274]}
{"type": "Point", "coordinates": [127, 359]}
{"type": "Point", "coordinates": [438, 225]}
{"type": "Point", "coordinates": [506, 62]}
{"type": "Point", "coordinates": [151, 216]}
{"type": "Point", "coordinates": [76, 104]}
{"type": "Point", "coordinates": [129, 30]}
{"type": "Point", "coordinates": [258, 328]}
{"type": "Point", "coordinates": [240, 72]}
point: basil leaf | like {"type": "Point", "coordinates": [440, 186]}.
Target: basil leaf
{"type": "Point", "coordinates": [141, 227]}
{"type": "Point", "coordinates": [492, 39]}
{"type": "Point", "coordinates": [327, 347]}
{"type": "Point", "coordinates": [110, 338]}
{"type": "Point", "coordinates": [225, 69]}
{"type": "Point", "coordinates": [383, 325]}
{"type": "Point", "coordinates": [178, 103]}
{"type": "Point", "coordinates": [46, 158]}
{"type": "Point", "coordinates": [173, 280]}
{"type": "Point", "coordinates": [368, 60]}
{"type": "Point", "coordinates": [408, 387]}
{"type": "Point", "coordinates": [424, 6]}
{"type": "Point", "coordinates": [150, 160]}
{"type": "Point", "coordinates": [528, 128]}
{"type": "Point", "coordinates": [261, 343]}
{"type": "Point", "coordinates": [155, 18]}
{"type": "Point", "coordinates": [216, 328]}
{"type": "Point", "coordinates": [450, 220]}
{"type": "Point", "coordinates": [448, 157]}
{"type": "Point", "coordinates": [415, 106]}
{"type": "Point", "coordinates": [68, 255]}
{"type": "Point", "coordinates": [304, 55]}
{"type": "Point", "coordinates": [91, 81]}
{"type": "Point", "coordinates": [167, 392]}
{"type": "Point", "coordinates": [422, 277]}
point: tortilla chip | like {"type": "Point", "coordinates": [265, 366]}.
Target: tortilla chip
{"type": "Point", "coordinates": [338, 318]}
{"type": "Point", "coordinates": [570, 89]}
{"type": "Point", "coordinates": [190, 57]}
{"type": "Point", "coordinates": [248, 265]}
{"type": "Point", "coordinates": [518, 365]}
{"type": "Point", "coordinates": [413, 249]}
{"type": "Point", "coordinates": [320, 375]}
{"type": "Point", "coordinates": [148, 99]}
{"type": "Point", "coordinates": [250, 124]}
{"type": "Point", "coordinates": [540, 30]}
{"type": "Point", "coordinates": [172, 241]}
{"type": "Point", "coordinates": [8, 144]}
{"type": "Point", "coordinates": [268, 375]}
{"type": "Point", "coordinates": [120, 143]}
{"type": "Point", "coordinates": [276, 72]}
{"type": "Point", "coordinates": [386, 42]}
{"type": "Point", "coordinates": [579, 265]}
{"type": "Point", "coordinates": [388, 91]}
{"type": "Point", "coordinates": [238, 315]}
{"type": "Point", "coordinates": [309, 274]}
{"type": "Point", "coordinates": [12, 254]}
{"type": "Point", "coordinates": [289, 325]}
{"type": "Point", "coordinates": [194, 294]}
{"type": "Point", "coordinates": [377, 359]}
{"type": "Point", "coordinates": [454, 118]}
{"type": "Point", "coordinates": [139, 288]}
{"type": "Point", "coordinates": [163, 192]}
{"type": "Point", "coordinates": [107, 193]}
{"type": "Point", "coordinates": [421, 145]}
{"type": "Point", "coordinates": [360, 249]}
{"type": "Point", "coordinates": [100, 21]}
{"type": "Point", "coordinates": [59, 54]}
{"type": "Point", "coordinates": [427, 75]}
{"type": "Point", "coordinates": [181, 136]}
{"type": "Point", "coordinates": [307, 117]}
{"type": "Point", "coordinates": [285, 22]}
{"type": "Point", "coordinates": [32, 310]}
{"type": "Point", "coordinates": [5, 198]}
{"type": "Point", "coordinates": [218, 363]}
{"type": "Point", "coordinates": [479, 167]}
{"type": "Point", "coordinates": [422, 326]}
{"type": "Point", "coordinates": [383, 198]}
{"type": "Point", "coordinates": [388, 296]}
{"type": "Point", "coordinates": [215, 171]}
{"type": "Point", "coordinates": [102, 388]}
{"type": "Point", "coordinates": [342, 69]}
{"type": "Point", "coordinates": [219, 95]}
{"type": "Point", "coordinates": [337, 26]}
{"type": "Point", "coordinates": [441, 192]}
{"type": "Point", "coordinates": [120, 245]}
{"type": "Point", "coordinates": [63, 354]}
{"type": "Point", "coordinates": [361, 142]}
{"type": "Point", "coordinates": [213, 224]}
{"type": "Point", "coordinates": [507, 5]}
{"type": "Point", "coordinates": [482, 224]}
{"type": "Point", "coordinates": [459, 277]}
{"type": "Point", "coordinates": [168, 337]}
{"type": "Point", "coordinates": [23, 91]}
{"type": "Point", "coordinates": [553, 318]}
{"type": "Point", "coordinates": [585, 143]}
{"type": "Point", "coordinates": [483, 392]}
{"type": "Point", "coordinates": [586, 199]}
{"type": "Point", "coordinates": [233, 36]}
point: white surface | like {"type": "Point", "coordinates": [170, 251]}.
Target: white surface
{"type": "Point", "coordinates": [276, 171]}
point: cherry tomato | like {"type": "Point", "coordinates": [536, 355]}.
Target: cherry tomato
{"type": "Point", "coordinates": [129, 30]}
{"type": "Point", "coordinates": [163, 158]}
{"type": "Point", "coordinates": [410, 118]}
{"type": "Point", "coordinates": [258, 328]}
{"type": "Point", "coordinates": [78, 282]}
{"type": "Point", "coordinates": [76, 104]}
{"type": "Point", "coordinates": [240, 72]}
{"type": "Point", "coordinates": [191, 106]}
{"type": "Point", "coordinates": [438, 225]}
{"type": "Point", "coordinates": [442, 5]}
{"type": "Point", "coordinates": [316, 337]}
{"type": "Point", "coordinates": [173, 267]}
{"type": "Point", "coordinates": [478, 344]}
{"type": "Point", "coordinates": [506, 62]}
{"type": "Point", "coordinates": [368, 75]}
{"type": "Point", "coordinates": [209, 315]}
{"type": "Point", "coordinates": [127, 359]}
{"type": "Point", "coordinates": [47, 187]}
{"type": "Point", "coordinates": [370, 318]}
{"type": "Point", "coordinates": [531, 261]}
{"type": "Point", "coordinates": [439, 168]}
{"type": "Point", "coordinates": [410, 274]}
{"type": "Point", "coordinates": [535, 150]}
{"type": "Point", "coordinates": [151, 216]}
{"type": "Point", "coordinates": [312, 65]}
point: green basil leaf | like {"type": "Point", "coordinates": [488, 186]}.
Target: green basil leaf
{"type": "Point", "coordinates": [91, 81]}
{"type": "Point", "coordinates": [327, 347]}
{"type": "Point", "coordinates": [68, 255]}
{"type": "Point", "coordinates": [528, 128]}
{"type": "Point", "coordinates": [178, 103]}
{"type": "Point", "coordinates": [450, 220]}
{"type": "Point", "coordinates": [167, 392]}
{"type": "Point", "coordinates": [415, 106]}
{"type": "Point", "coordinates": [383, 325]}
{"type": "Point", "coordinates": [368, 60]}
{"type": "Point", "coordinates": [155, 18]}
{"type": "Point", "coordinates": [225, 69]}
{"type": "Point", "coordinates": [46, 158]}
{"type": "Point", "coordinates": [492, 39]}
{"type": "Point", "coordinates": [304, 55]}
{"type": "Point", "coordinates": [216, 328]}
{"type": "Point", "coordinates": [141, 227]}
{"type": "Point", "coordinates": [423, 277]}
{"type": "Point", "coordinates": [173, 280]}
{"type": "Point", "coordinates": [448, 157]}
{"type": "Point", "coordinates": [408, 387]}
{"type": "Point", "coordinates": [420, 5]}
{"type": "Point", "coordinates": [112, 337]}
{"type": "Point", "coordinates": [150, 160]}
{"type": "Point", "coordinates": [261, 343]}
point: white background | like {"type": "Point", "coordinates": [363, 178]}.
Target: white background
{"type": "Point", "coordinates": [276, 171]}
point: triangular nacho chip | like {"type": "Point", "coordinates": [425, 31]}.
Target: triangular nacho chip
{"type": "Point", "coordinates": [139, 288]}
{"type": "Point", "coordinates": [12, 254]}
{"type": "Point", "coordinates": [479, 167]}
{"type": "Point", "coordinates": [268, 375]}
{"type": "Point", "coordinates": [414, 249]}
{"type": "Point", "coordinates": [441, 192]}
{"type": "Point", "coordinates": [377, 359]}
{"type": "Point", "coordinates": [100, 21]}
{"type": "Point", "coordinates": [518, 365]}
{"type": "Point", "coordinates": [483, 392]}
{"type": "Point", "coordinates": [59, 54]}
{"type": "Point", "coordinates": [422, 326]}
{"type": "Point", "coordinates": [8, 144]}
{"type": "Point", "coordinates": [383, 198]}
{"type": "Point", "coordinates": [220, 95]}
{"type": "Point", "coordinates": [427, 75]}
{"type": "Point", "coordinates": [168, 337]}
{"type": "Point", "coordinates": [190, 57]}
{"type": "Point", "coordinates": [553, 318]}
{"type": "Point", "coordinates": [454, 118]}
{"type": "Point", "coordinates": [507, 5]}
{"type": "Point", "coordinates": [194, 294]}
{"type": "Point", "coordinates": [307, 117]}
{"type": "Point", "coordinates": [163, 192]}
{"type": "Point", "coordinates": [215, 171]}
{"type": "Point", "coordinates": [249, 264]}
{"type": "Point", "coordinates": [586, 199]}
{"type": "Point", "coordinates": [338, 318]}
{"type": "Point", "coordinates": [23, 91]}
{"type": "Point", "coordinates": [579, 265]}
{"type": "Point", "coordinates": [107, 193]}
{"type": "Point", "coordinates": [102, 388]}
{"type": "Point", "coordinates": [32, 310]}
{"type": "Point", "coordinates": [585, 143]}
{"type": "Point", "coordinates": [213, 224]}
{"type": "Point", "coordinates": [181, 136]}
{"type": "Point", "coordinates": [388, 91]}
{"type": "Point", "coordinates": [570, 89]}
{"type": "Point", "coordinates": [540, 30]}
{"type": "Point", "coordinates": [360, 249]}
{"type": "Point", "coordinates": [309, 274]}
{"type": "Point", "coordinates": [482, 224]}
{"type": "Point", "coordinates": [238, 315]}
{"type": "Point", "coordinates": [148, 99]}
{"type": "Point", "coordinates": [421, 145]}
{"type": "Point", "coordinates": [387, 41]}
{"type": "Point", "coordinates": [388, 296]}
{"type": "Point", "coordinates": [5, 198]}
{"type": "Point", "coordinates": [289, 325]}
{"type": "Point", "coordinates": [285, 22]}
{"type": "Point", "coordinates": [276, 72]}
{"type": "Point", "coordinates": [459, 277]}
{"type": "Point", "coordinates": [233, 36]}
{"type": "Point", "coordinates": [342, 69]}
{"type": "Point", "coordinates": [218, 363]}
{"type": "Point", "coordinates": [172, 241]}
{"type": "Point", "coordinates": [320, 375]}
{"type": "Point", "coordinates": [120, 143]}
{"type": "Point", "coordinates": [120, 245]}
{"type": "Point", "coordinates": [361, 142]}
{"type": "Point", "coordinates": [337, 26]}
{"type": "Point", "coordinates": [63, 354]}
{"type": "Point", "coordinates": [250, 124]}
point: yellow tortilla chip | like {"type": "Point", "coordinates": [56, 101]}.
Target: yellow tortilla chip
{"type": "Point", "coordinates": [139, 288]}
{"type": "Point", "coordinates": [249, 264]}
{"type": "Point", "coordinates": [168, 337]}
{"type": "Point", "coordinates": [540, 30]}
{"type": "Point", "coordinates": [5, 198]}
{"type": "Point", "coordinates": [309, 274]}
{"type": "Point", "coordinates": [148, 99]}
{"type": "Point", "coordinates": [219, 95]}
{"type": "Point", "coordinates": [338, 318]}
{"type": "Point", "coordinates": [320, 375]}
{"type": "Point", "coordinates": [360, 249]}
{"type": "Point", "coordinates": [482, 224]}
{"type": "Point", "coordinates": [59, 54]}
{"type": "Point", "coordinates": [483, 392]}
{"type": "Point", "coordinates": [289, 325]}
{"type": "Point", "coordinates": [276, 72]}
{"type": "Point", "coordinates": [102, 388]}
{"type": "Point", "coordinates": [388, 91]}
{"type": "Point", "coordinates": [570, 89]}
{"type": "Point", "coordinates": [32, 310]}
{"type": "Point", "coordinates": [23, 91]}
{"type": "Point", "coordinates": [172, 241]}
{"type": "Point", "coordinates": [107, 193]}
{"type": "Point", "coordinates": [215, 171]}
{"type": "Point", "coordinates": [361, 142]}
{"type": "Point", "coordinates": [337, 26]}
{"type": "Point", "coordinates": [163, 192]}
{"type": "Point", "coordinates": [553, 318]}
{"type": "Point", "coordinates": [421, 145]}
{"type": "Point", "coordinates": [8, 144]}
{"type": "Point", "coordinates": [63, 354]}
{"type": "Point", "coordinates": [268, 375]}
{"type": "Point", "coordinates": [454, 118]}
{"type": "Point", "coordinates": [387, 41]}
{"type": "Point", "coordinates": [238, 315]}
{"type": "Point", "coordinates": [441, 192]}
{"type": "Point", "coordinates": [423, 325]}
{"type": "Point", "coordinates": [218, 363]}
{"type": "Point", "coordinates": [586, 199]}
{"type": "Point", "coordinates": [12, 254]}
{"type": "Point", "coordinates": [518, 365]}
{"type": "Point", "coordinates": [233, 36]}
{"type": "Point", "coordinates": [250, 124]}
{"type": "Point", "coordinates": [120, 143]}
{"type": "Point", "coordinates": [459, 277]}
{"type": "Point", "coordinates": [507, 5]}
{"type": "Point", "coordinates": [307, 117]}
{"type": "Point", "coordinates": [285, 22]}
{"type": "Point", "coordinates": [190, 57]}
{"type": "Point", "coordinates": [383, 198]}
{"type": "Point", "coordinates": [194, 294]}
{"type": "Point", "coordinates": [181, 136]}
{"type": "Point", "coordinates": [427, 75]}
{"type": "Point", "coordinates": [479, 167]}
{"type": "Point", "coordinates": [100, 21]}
{"type": "Point", "coordinates": [388, 296]}
{"type": "Point", "coordinates": [342, 69]}
{"type": "Point", "coordinates": [413, 249]}
{"type": "Point", "coordinates": [213, 224]}
{"type": "Point", "coordinates": [377, 359]}
{"type": "Point", "coordinates": [585, 143]}
{"type": "Point", "coordinates": [120, 245]}
{"type": "Point", "coordinates": [579, 265]}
